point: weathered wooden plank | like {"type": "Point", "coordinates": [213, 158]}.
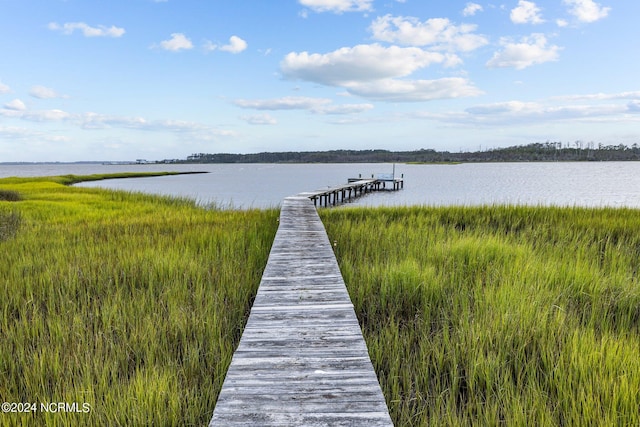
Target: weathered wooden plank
{"type": "Point", "coordinates": [301, 359]}
{"type": "Point", "coordinates": [369, 419]}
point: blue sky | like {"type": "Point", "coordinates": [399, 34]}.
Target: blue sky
{"type": "Point", "coordinates": [128, 79]}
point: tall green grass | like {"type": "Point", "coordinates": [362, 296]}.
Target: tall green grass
{"type": "Point", "coordinates": [130, 303]}
{"type": "Point", "coordinates": [497, 315]}
{"type": "Point", "coordinates": [134, 304]}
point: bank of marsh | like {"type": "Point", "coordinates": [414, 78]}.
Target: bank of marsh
{"type": "Point", "coordinates": [130, 303]}
{"type": "Point", "coordinates": [497, 315]}
{"type": "Point", "coordinates": [473, 316]}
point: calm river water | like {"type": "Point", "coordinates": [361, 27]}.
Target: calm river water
{"type": "Point", "coordinates": [614, 184]}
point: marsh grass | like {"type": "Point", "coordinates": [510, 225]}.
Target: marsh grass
{"type": "Point", "coordinates": [128, 302]}
{"type": "Point", "coordinates": [9, 224]}
{"type": "Point", "coordinates": [9, 196]}
{"type": "Point", "coordinates": [497, 315]}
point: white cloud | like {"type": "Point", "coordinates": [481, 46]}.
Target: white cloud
{"type": "Point", "coordinates": [526, 12]}
{"type": "Point", "coordinates": [15, 105]}
{"type": "Point", "coordinates": [95, 121]}
{"type": "Point", "coordinates": [338, 6]}
{"type": "Point", "coordinates": [439, 33]}
{"type": "Point", "coordinates": [4, 88]}
{"type": "Point", "coordinates": [555, 109]}
{"type": "Point", "coordinates": [236, 45]}
{"type": "Point", "coordinates": [17, 134]}
{"type": "Point", "coordinates": [359, 63]}
{"type": "Point", "coordinates": [520, 112]}
{"type": "Point", "coordinates": [587, 10]}
{"type": "Point", "coordinates": [260, 119]}
{"type": "Point", "coordinates": [375, 72]}
{"type": "Point", "coordinates": [18, 110]}
{"type": "Point", "coordinates": [504, 107]}
{"type": "Point", "coordinates": [88, 31]}
{"type": "Point", "coordinates": [103, 121]}
{"type": "Point", "coordinates": [530, 51]}
{"type": "Point", "coordinates": [471, 9]}
{"type": "Point", "coordinates": [46, 116]}
{"type": "Point", "coordinates": [42, 92]}
{"type": "Point", "coordinates": [313, 105]}
{"type": "Point", "coordinates": [344, 109]}
{"type": "Point", "coordinates": [177, 42]}
{"type": "Point", "coordinates": [395, 90]}
{"type": "Point", "coordinates": [562, 23]}
{"type": "Point", "coordinates": [285, 103]}
{"type": "Point", "coordinates": [633, 95]}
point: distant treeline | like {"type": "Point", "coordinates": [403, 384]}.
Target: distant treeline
{"type": "Point", "coordinates": [537, 152]}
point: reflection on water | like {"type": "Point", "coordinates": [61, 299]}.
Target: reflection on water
{"type": "Point", "coordinates": [264, 185]}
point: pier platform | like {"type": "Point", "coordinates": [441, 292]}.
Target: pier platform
{"type": "Point", "coordinates": [302, 360]}
{"type": "Point", "coordinates": [355, 187]}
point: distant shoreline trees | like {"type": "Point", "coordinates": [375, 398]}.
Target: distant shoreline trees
{"type": "Point", "coordinates": [536, 152]}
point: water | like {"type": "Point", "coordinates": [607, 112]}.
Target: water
{"type": "Point", "coordinates": [614, 184]}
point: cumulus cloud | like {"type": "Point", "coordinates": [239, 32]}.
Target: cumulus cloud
{"type": "Point", "coordinates": [529, 51]}
{"type": "Point", "coordinates": [236, 45]}
{"type": "Point", "coordinates": [587, 10]}
{"type": "Point", "coordinates": [471, 9]}
{"type": "Point", "coordinates": [356, 64]}
{"type": "Point", "coordinates": [526, 12]}
{"type": "Point", "coordinates": [376, 72]}
{"type": "Point", "coordinates": [177, 42]}
{"type": "Point", "coordinates": [87, 30]}
{"type": "Point", "coordinates": [15, 105]}
{"type": "Point", "coordinates": [42, 92]}
{"type": "Point", "coordinates": [313, 105]}
{"type": "Point", "coordinates": [438, 33]}
{"type": "Point", "coordinates": [4, 88]}
{"type": "Point", "coordinates": [338, 6]}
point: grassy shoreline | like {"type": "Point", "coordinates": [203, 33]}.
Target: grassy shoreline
{"type": "Point", "coordinates": [130, 303]}
{"type": "Point", "coordinates": [498, 314]}
{"type": "Point", "coordinates": [75, 179]}
{"type": "Point", "coordinates": [134, 304]}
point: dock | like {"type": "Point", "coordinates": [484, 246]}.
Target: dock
{"type": "Point", "coordinates": [302, 360]}
{"type": "Point", "coordinates": [355, 187]}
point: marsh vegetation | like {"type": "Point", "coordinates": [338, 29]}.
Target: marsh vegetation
{"type": "Point", "coordinates": [130, 303]}
{"type": "Point", "coordinates": [134, 304]}
{"type": "Point", "coordinates": [497, 315]}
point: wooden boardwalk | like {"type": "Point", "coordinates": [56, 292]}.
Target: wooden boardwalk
{"type": "Point", "coordinates": [301, 360]}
